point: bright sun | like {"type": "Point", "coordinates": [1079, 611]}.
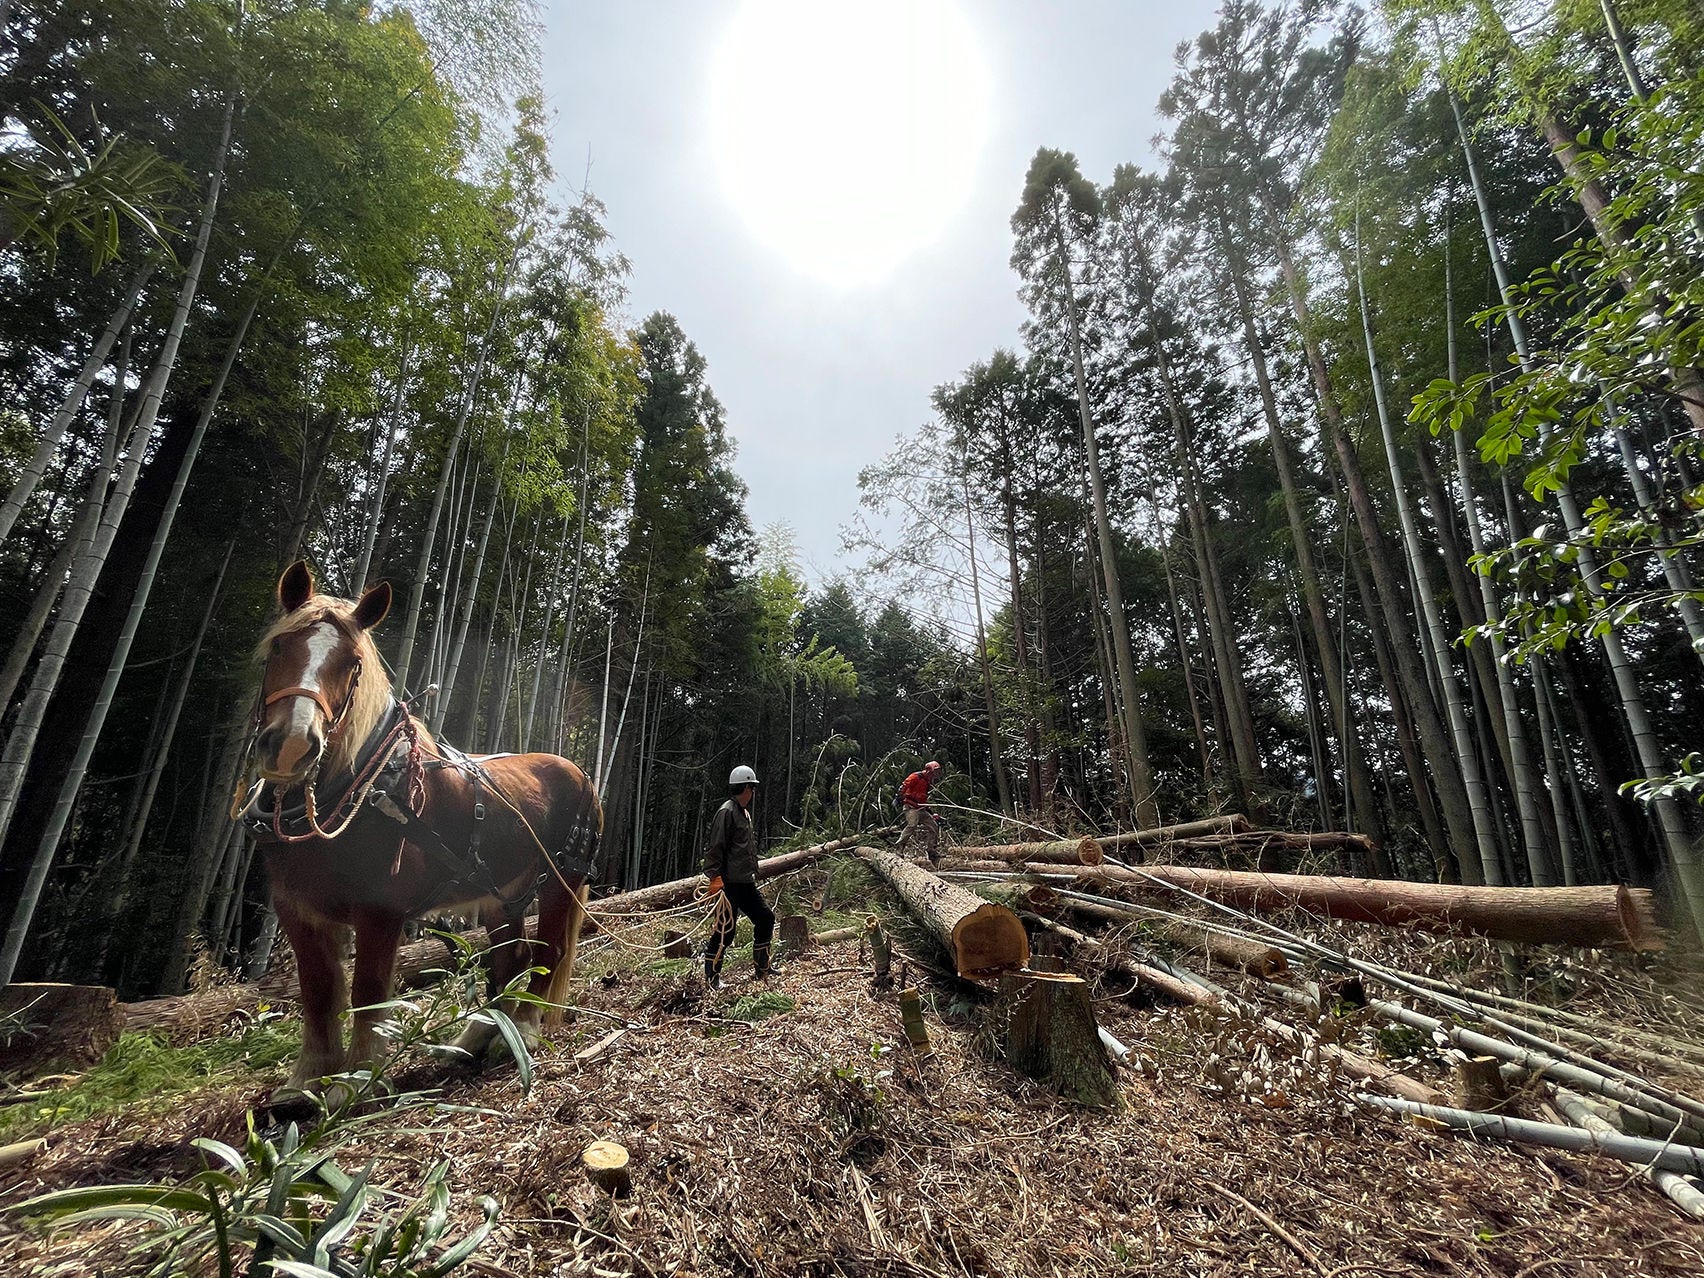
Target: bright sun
{"type": "Point", "coordinates": [847, 134]}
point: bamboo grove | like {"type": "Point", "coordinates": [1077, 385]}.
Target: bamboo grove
{"type": "Point", "coordinates": [1398, 344]}
{"type": "Point", "coordinates": [1348, 470]}
{"type": "Point", "coordinates": [293, 279]}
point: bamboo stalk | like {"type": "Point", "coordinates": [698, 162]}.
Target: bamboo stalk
{"type": "Point", "coordinates": [1628, 1149]}
{"type": "Point", "coordinates": [1582, 1113]}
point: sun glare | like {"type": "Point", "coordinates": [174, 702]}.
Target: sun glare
{"type": "Point", "coordinates": [847, 134]}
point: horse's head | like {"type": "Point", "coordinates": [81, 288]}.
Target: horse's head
{"type": "Point", "coordinates": [324, 687]}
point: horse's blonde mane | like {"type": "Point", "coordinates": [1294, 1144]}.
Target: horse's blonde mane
{"type": "Point", "coordinates": [372, 697]}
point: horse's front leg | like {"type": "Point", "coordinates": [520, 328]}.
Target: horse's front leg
{"type": "Point", "coordinates": [324, 993]}
{"type": "Point", "coordinates": [510, 955]}
{"type": "Point", "coordinates": [377, 936]}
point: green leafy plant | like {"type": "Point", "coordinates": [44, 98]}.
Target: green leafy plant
{"type": "Point", "coordinates": [281, 1206]}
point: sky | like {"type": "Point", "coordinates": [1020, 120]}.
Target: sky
{"type": "Point", "coordinates": [818, 376]}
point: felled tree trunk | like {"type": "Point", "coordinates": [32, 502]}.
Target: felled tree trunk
{"type": "Point", "coordinates": [1050, 1034]}
{"type": "Point", "coordinates": [1610, 915]}
{"type": "Point", "coordinates": [662, 896]}
{"type": "Point", "coordinates": [1083, 851]}
{"type": "Point", "coordinates": [1232, 823]}
{"type": "Point", "coordinates": [984, 939]}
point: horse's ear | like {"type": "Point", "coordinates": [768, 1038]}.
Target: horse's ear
{"type": "Point", "coordinates": [373, 606]}
{"type": "Point", "coordinates": [296, 586]}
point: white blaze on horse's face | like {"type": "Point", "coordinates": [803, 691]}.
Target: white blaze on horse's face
{"type": "Point", "coordinates": [292, 737]}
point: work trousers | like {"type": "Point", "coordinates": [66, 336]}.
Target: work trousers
{"type": "Point", "coordinates": [744, 898]}
{"type": "Point", "coordinates": [920, 824]}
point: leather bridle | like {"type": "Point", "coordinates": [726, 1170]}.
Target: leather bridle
{"type": "Point", "coordinates": [333, 719]}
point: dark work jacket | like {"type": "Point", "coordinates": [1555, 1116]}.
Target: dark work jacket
{"type": "Point", "coordinates": [731, 853]}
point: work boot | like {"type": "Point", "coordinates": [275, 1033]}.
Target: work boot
{"type": "Point", "coordinates": [713, 974]}
{"type": "Point", "coordinates": [765, 969]}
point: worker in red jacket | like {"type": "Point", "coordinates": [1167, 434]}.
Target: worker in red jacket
{"type": "Point", "coordinates": [919, 821]}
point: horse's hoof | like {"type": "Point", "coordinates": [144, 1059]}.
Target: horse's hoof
{"type": "Point", "coordinates": [475, 1038]}
{"type": "Point", "coordinates": [294, 1101]}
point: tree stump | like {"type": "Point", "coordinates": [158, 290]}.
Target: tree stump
{"type": "Point", "coordinates": [881, 952]}
{"type": "Point", "coordinates": [795, 933]}
{"type": "Point", "coordinates": [606, 1167]}
{"type": "Point", "coordinates": [911, 1017]}
{"type": "Point", "coordinates": [676, 944]}
{"type": "Point", "coordinates": [1051, 1035]}
{"type": "Point", "coordinates": [45, 1023]}
{"type": "Point", "coordinates": [1478, 1085]}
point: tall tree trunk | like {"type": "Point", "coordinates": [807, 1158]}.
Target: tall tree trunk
{"type": "Point", "coordinates": [428, 539]}
{"type": "Point", "coordinates": [996, 760]}
{"type": "Point", "coordinates": [1185, 664]}
{"type": "Point", "coordinates": [1245, 754]}
{"type": "Point", "coordinates": [1467, 755]}
{"type": "Point", "coordinates": [369, 538]}
{"type": "Point", "coordinates": [1135, 737]}
{"type": "Point", "coordinates": [1683, 859]}
{"type": "Point", "coordinates": [1363, 806]}
{"type": "Point", "coordinates": [559, 711]}
{"type": "Point", "coordinates": [48, 446]}
{"type": "Point", "coordinates": [21, 743]}
{"type": "Point", "coordinates": [1452, 794]}
{"type": "Point", "coordinates": [544, 644]}
{"type": "Point", "coordinates": [1020, 627]}
{"type": "Point", "coordinates": [1407, 739]}
{"type": "Point", "coordinates": [470, 595]}
{"type": "Point", "coordinates": [72, 783]}
{"type": "Point", "coordinates": [1533, 833]}
{"type": "Point", "coordinates": [78, 540]}
{"type": "Point", "coordinates": [136, 830]}
{"type": "Point", "coordinates": [301, 518]}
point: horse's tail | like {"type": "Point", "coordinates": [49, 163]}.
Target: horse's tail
{"type": "Point", "coordinates": [584, 852]}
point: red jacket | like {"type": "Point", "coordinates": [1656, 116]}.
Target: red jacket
{"type": "Point", "coordinates": [915, 792]}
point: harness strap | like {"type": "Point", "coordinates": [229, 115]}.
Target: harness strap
{"type": "Point", "coordinates": [312, 694]}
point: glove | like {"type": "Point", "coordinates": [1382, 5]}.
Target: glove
{"type": "Point", "coordinates": [715, 886]}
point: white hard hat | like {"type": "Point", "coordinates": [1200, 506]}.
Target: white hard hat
{"type": "Point", "coordinates": [742, 775]}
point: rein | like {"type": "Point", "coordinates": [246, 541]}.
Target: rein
{"type": "Point", "coordinates": [349, 803]}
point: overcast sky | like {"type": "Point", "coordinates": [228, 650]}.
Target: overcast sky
{"type": "Point", "coordinates": [818, 379]}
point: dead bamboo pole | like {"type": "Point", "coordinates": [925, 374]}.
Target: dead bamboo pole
{"type": "Point", "coordinates": [1628, 1149]}
{"type": "Point", "coordinates": [1183, 986]}
{"type": "Point", "coordinates": [1675, 1187]}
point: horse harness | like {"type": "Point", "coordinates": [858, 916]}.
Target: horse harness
{"type": "Point", "coordinates": [389, 778]}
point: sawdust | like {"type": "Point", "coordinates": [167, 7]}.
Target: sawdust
{"type": "Point", "coordinates": [811, 1142]}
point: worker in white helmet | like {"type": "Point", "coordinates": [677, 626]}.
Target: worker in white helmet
{"type": "Point", "coordinates": [730, 863]}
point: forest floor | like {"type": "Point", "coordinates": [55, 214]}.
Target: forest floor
{"type": "Point", "coordinates": [786, 1128]}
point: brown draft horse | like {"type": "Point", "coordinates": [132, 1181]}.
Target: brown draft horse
{"type": "Point", "coordinates": [366, 822]}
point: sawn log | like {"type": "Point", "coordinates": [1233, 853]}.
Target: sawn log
{"type": "Point", "coordinates": [984, 939]}
{"type": "Point", "coordinates": [1611, 915]}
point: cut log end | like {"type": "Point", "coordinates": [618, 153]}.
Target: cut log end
{"type": "Point", "coordinates": [1478, 1085]}
{"type": "Point", "coordinates": [989, 941]}
{"type": "Point", "coordinates": [1637, 908]}
{"type": "Point", "coordinates": [606, 1167]}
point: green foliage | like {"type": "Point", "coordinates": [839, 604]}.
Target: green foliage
{"type": "Point", "coordinates": [146, 1073]}
{"type": "Point", "coordinates": [759, 1007]}
{"type": "Point", "coordinates": [58, 185]}
{"type": "Point", "coordinates": [283, 1206]}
